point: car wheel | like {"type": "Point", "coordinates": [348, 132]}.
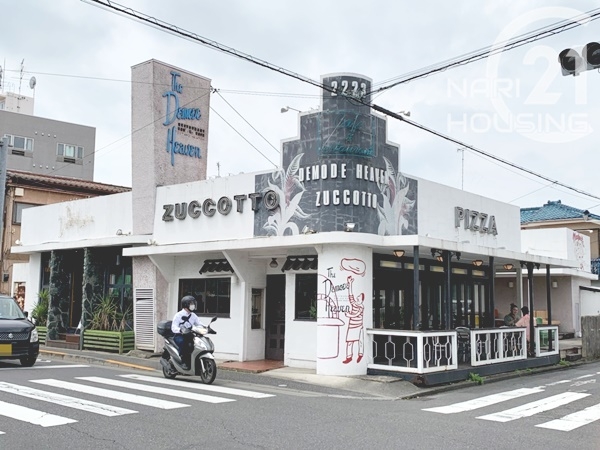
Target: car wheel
{"type": "Point", "coordinates": [28, 361]}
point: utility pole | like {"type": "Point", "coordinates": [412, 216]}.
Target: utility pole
{"type": "Point", "coordinates": [3, 151]}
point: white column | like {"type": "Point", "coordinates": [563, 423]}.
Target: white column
{"type": "Point", "coordinates": [344, 309]}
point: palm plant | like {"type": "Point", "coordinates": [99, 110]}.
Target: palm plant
{"type": "Point", "coordinates": [39, 313]}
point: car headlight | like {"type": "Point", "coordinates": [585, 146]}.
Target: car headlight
{"type": "Point", "coordinates": [34, 335]}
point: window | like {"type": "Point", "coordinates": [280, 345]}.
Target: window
{"type": "Point", "coordinates": [256, 315]}
{"type": "Point", "coordinates": [213, 295]}
{"type": "Point", "coordinates": [20, 144]}
{"type": "Point", "coordinates": [306, 297]}
{"type": "Point", "coordinates": [120, 283]}
{"type": "Point", "coordinates": [69, 152]}
{"type": "Point", "coordinates": [18, 211]}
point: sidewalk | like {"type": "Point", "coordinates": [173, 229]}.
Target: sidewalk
{"type": "Point", "coordinates": [373, 385]}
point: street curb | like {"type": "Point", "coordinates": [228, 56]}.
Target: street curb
{"type": "Point", "coordinates": [497, 378]}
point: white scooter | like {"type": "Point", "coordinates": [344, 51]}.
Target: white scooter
{"type": "Point", "coordinates": [202, 360]}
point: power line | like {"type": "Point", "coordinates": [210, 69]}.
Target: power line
{"type": "Point", "coordinates": [171, 29]}
{"type": "Point", "coordinates": [536, 35]}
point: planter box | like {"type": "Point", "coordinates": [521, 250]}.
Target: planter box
{"type": "Point", "coordinates": [111, 341]}
{"type": "Point", "coordinates": [42, 332]}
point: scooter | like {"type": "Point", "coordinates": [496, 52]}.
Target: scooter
{"type": "Point", "coordinates": [202, 360]}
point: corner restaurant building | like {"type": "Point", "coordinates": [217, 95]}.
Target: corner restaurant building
{"type": "Point", "coordinates": [298, 263]}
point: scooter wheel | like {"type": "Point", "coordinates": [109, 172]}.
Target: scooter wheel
{"type": "Point", "coordinates": [208, 374]}
{"type": "Point", "coordinates": [168, 374]}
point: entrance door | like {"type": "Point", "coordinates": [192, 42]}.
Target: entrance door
{"type": "Point", "coordinates": [275, 317]}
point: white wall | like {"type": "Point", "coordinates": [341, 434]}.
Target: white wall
{"type": "Point", "coordinates": [590, 302]}
{"type": "Point", "coordinates": [234, 225]}
{"type": "Point", "coordinates": [300, 335]}
{"type": "Point", "coordinates": [559, 243]}
{"type": "Point", "coordinates": [436, 216]}
{"type": "Point", "coordinates": [90, 218]}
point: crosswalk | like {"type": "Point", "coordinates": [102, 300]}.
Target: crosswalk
{"type": "Point", "coordinates": [46, 391]}
{"type": "Point", "coordinates": [549, 402]}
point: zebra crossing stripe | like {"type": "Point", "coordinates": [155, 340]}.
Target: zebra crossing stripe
{"type": "Point", "coordinates": [158, 390]}
{"type": "Point", "coordinates": [575, 420]}
{"type": "Point", "coordinates": [482, 402]}
{"type": "Point", "coordinates": [64, 400]}
{"type": "Point", "coordinates": [529, 409]}
{"type": "Point", "coordinates": [205, 387]}
{"type": "Point", "coordinates": [116, 395]}
{"type": "Point", "coordinates": [32, 416]}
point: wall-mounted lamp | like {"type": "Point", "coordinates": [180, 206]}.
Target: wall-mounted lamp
{"type": "Point", "coordinates": [437, 254]}
{"type": "Point", "coordinates": [399, 253]}
{"type": "Point", "coordinates": [555, 284]}
{"type": "Point", "coordinates": [349, 226]}
{"type": "Point", "coordinates": [273, 264]}
{"type": "Point", "coordinates": [586, 215]}
{"type": "Point", "coordinates": [308, 230]}
{"type": "Point", "coordinates": [18, 242]}
{"type": "Point", "coordinates": [477, 262]}
{"type": "Point", "coordinates": [151, 242]}
{"type": "Point", "coordinates": [119, 232]}
{"type": "Point", "coordinates": [508, 266]}
{"type": "Point", "coordinates": [287, 108]}
{"type": "Point", "coordinates": [510, 284]}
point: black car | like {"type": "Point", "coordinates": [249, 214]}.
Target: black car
{"type": "Point", "coordinates": [18, 336]}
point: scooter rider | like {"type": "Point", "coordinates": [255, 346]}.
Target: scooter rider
{"type": "Point", "coordinates": [183, 321]}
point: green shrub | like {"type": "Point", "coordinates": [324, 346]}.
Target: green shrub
{"type": "Point", "coordinates": [107, 316]}
{"type": "Point", "coordinates": [39, 313]}
{"type": "Point", "coordinates": [475, 377]}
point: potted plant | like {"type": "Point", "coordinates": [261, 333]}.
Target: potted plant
{"type": "Point", "coordinates": [39, 314]}
{"type": "Point", "coordinates": [109, 328]}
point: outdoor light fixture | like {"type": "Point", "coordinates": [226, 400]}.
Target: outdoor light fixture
{"type": "Point", "coordinates": [555, 284]}
{"type": "Point", "coordinates": [349, 226]}
{"type": "Point", "coordinates": [477, 262]}
{"type": "Point", "coordinates": [287, 108]}
{"type": "Point", "coordinates": [508, 266]}
{"type": "Point", "coordinates": [511, 284]}
{"type": "Point", "coordinates": [273, 263]}
{"type": "Point", "coordinates": [399, 253]}
{"type": "Point", "coordinates": [437, 254]}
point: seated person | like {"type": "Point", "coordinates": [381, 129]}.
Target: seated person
{"type": "Point", "coordinates": [512, 318]}
{"type": "Point", "coordinates": [183, 321]}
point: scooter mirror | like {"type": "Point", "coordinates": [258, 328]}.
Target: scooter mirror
{"type": "Point", "coordinates": [213, 319]}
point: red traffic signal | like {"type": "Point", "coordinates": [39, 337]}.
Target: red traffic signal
{"type": "Point", "coordinates": [573, 63]}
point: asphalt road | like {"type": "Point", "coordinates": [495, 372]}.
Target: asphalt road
{"type": "Point", "coordinates": [100, 407]}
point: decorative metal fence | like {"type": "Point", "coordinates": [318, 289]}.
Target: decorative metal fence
{"type": "Point", "coordinates": [492, 346]}
{"type": "Point", "coordinates": [414, 351]}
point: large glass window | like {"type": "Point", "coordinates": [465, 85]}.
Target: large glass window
{"type": "Point", "coordinates": [306, 296]}
{"type": "Point", "coordinates": [213, 295]}
{"type": "Point", "coordinates": [120, 284]}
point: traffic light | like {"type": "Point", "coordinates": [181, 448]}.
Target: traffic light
{"type": "Point", "coordinates": [573, 63]}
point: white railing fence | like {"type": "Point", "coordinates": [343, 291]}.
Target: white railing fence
{"type": "Point", "coordinates": [544, 336]}
{"type": "Point", "coordinates": [492, 346]}
{"type": "Point", "coordinates": [414, 351]}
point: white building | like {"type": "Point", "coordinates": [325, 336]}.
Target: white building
{"type": "Point", "coordinates": [312, 263]}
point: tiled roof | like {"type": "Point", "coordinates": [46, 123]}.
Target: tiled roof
{"type": "Point", "coordinates": [66, 183]}
{"type": "Point", "coordinates": [552, 211]}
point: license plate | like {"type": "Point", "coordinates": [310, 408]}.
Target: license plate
{"type": "Point", "coordinates": [5, 349]}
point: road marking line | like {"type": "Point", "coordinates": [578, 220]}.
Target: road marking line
{"type": "Point", "coordinates": [116, 395]}
{"type": "Point", "coordinates": [575, 420]}
{"type": "Point", "coordinates": [584, 376]}
{"type": "Point", "coordinates": [482, 402]}
{"type": "Point", "coordinates": [72, 366]}
{"type": "Point", "coordinates": [559, 382]}
{"type": "Point", "coordinates": [32, 416]}
{"type": "Point", "coordinates": [205, 387]}
{"type": "Point", "coordinates": [158, 390]}
{"type": "Point", "coordinates": [529, 409]}
{"type": "Point", "coordinates": [64, 400]}
{"type": "Point", "coordinates": [135, 366]}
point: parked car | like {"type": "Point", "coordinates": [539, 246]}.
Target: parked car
{"type": "Point", "coordinates": [18, 336]}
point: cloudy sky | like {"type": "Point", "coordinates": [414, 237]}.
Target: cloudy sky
{"type": "Point", "coordinates": [515, 105]}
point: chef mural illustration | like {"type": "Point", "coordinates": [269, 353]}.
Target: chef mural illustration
{"type": "Point", "coordinates": [355, 333]}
